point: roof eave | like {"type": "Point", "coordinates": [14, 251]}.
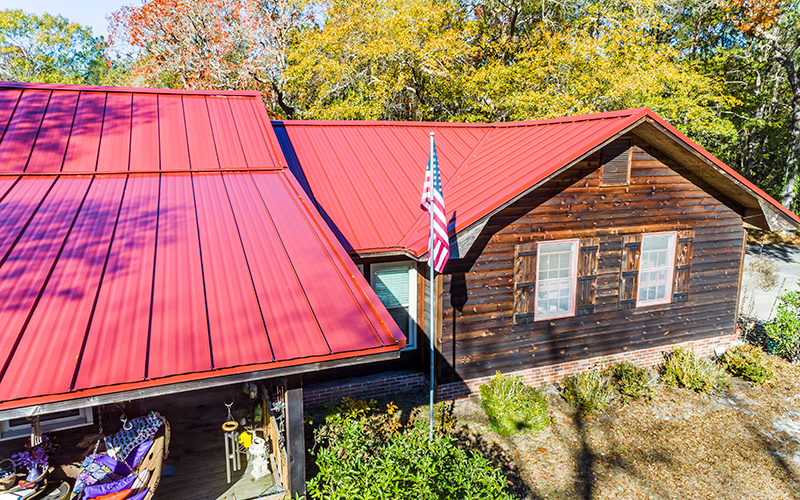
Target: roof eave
{"type": "Point", "coordinates": [40, 405]}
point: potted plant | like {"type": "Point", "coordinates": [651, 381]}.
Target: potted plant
{"type": "Point", "coordinates": [36, 459]}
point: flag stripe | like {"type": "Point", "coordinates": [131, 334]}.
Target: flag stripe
{"type": "Point", "coordinates": [439, 242]}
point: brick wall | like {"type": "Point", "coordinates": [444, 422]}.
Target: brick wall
{"type": "Point", "coordinates": [362, 388]}
{"type": "Point", "coordinates": [398, 382]}
{"type": "Point", "coordinates": [551, 373]}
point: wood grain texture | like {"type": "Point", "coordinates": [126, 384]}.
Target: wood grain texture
{"type": "Point", "coordinates": [479, 334]}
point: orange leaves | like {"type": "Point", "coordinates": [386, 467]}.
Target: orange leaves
{"type": "Point", "coordinates": [749, 16]}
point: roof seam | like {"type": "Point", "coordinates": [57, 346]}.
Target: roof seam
{"type": "Point", "coordinates": [152, 285]}
{"type": "Point", "coordinates": [249, 268]}
{"type": "Point", "coordinates": [25, 226]}
{"type": "Point", "coordinates": [46, 281]}
{"type": "Point", "coordinates": [71, 128]}
{"type": "Point", "coordinates": [99, 287]}
{"type": "Point", "coordinates": [38, 130]}
{"type": "Point", "coordinates": [291, 264]}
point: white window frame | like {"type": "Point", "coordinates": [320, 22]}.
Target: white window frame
{"type": "Point", "coordinates": [85, 417]}
{"type": "Point", "coordinates": [411, 342]}
{"type": "Point", "coordinates": [669, 267]}
{"type": "Point", "coordinates": [573, 282]}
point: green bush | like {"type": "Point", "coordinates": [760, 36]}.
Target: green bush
{"type": "Point", "coordinates": [682, 368]}
{"type": "Point", "coordinates": [749, 362]}
{"type": "Point", "coordinates": [364, 454]}
{"type": "Point", "coordinates": [784, 330]}
{"type": "Point", "coordinates": [633, 382]}
{"type": "Point", "coordinates": [512, 406]}
{"type": "Point", "coordinates": [587, 391]}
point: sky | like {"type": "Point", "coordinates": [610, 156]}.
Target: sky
{"type": "Point", "coordinates": [90, 13]}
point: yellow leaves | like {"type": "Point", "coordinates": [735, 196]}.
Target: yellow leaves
{"type": "Point", "coordinates": [372, 60]}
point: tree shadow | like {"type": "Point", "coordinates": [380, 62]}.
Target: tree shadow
{"type": "Point", "coordinates": [473, 442]}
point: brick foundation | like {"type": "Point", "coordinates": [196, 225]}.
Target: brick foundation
{"type": "Point", "coordinates": [398, 382]}
{"type": "Point", "coordinates": [362, 388]}
{"type": "Point", "coordinates": [551, 373]}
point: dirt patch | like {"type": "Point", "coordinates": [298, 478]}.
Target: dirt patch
{"type": "Point", "coordinates": [743, 443]}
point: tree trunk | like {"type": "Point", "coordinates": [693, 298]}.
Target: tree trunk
{"type": "Point", "coordinates": [790, 190]}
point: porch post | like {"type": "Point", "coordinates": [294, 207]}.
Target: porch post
{"type": "Point", "coordinates": [295, 435]}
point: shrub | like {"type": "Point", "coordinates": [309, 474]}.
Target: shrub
{"type": "Point", "coordinates": [587, 391]}
{"type": "Point", "coordinates": [682, 368]}
{"type": "Point", "coordinates": [749, 362]}
{"type": "Point", "coordinates": [512, 406]}
{"type": "Point", "coordinates": [365, 454]}
{"type": "Point", "coordinates": [633, 382]}
{"type": "Point", "coordinates": [783, 332]}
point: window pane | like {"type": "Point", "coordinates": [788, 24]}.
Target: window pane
{"type": "Point", "coordinates": [553, 297]}
{"type": "Point", "coordinates": [401, 317]}
{"type": "Point", "coordinates": [391, 285]}
{"type": "Point", "coordinates": [554, 248]}
{"type": "Point", "coordinates": [656, 242]}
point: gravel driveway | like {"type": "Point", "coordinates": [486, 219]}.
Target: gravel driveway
{"type": "Point", "coordinates": [787, 260]}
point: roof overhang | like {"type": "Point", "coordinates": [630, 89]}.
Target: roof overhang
{"type": "Point", "coordinates": [760, 209]}
{"type": "Point", "coordinates": [30, 407]}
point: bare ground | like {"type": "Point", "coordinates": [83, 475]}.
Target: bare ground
{"type": "Point", "coordinates": [743, 443]}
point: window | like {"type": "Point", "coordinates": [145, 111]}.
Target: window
{"type": "Point", "coordinates": [555, 279]}
{"type": "Point", "coordinates": [655, 269]}
{"type": "Point", "coordinates": [616, 169]}
{"type": "Point", "coordinates": [67, 419]}
{"type": "Point", "coordinates": [396, 286]}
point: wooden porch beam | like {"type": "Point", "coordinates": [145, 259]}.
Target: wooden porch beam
{"type": "Point", "coordinates": [295, 435]}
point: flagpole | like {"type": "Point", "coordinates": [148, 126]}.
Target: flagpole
{"type": "Point", "coordinates": [432, 335]}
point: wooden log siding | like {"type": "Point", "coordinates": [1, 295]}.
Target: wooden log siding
{"type": "Point", "coordinates": [479, 334]}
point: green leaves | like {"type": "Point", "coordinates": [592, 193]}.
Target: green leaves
{"type": "Point", "coordinates": [364, 454]}
{"type": "Point", "coordinates": [48, 49]}
{"type": "Point", "coordinates": [784, 330]}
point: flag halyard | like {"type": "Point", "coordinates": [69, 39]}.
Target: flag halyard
{"type": "Point", "coordinates": [432, 196]}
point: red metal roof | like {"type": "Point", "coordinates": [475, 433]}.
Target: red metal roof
{"type": "Point", "coordinates": [152, 237]}
{"type": "Point", "coordinates": [372, 199]}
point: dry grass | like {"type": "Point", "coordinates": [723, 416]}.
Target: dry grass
{"type": "Point", "coordinates": [742, 443]}
{"type": "Point", "coordinates": [772, 237]}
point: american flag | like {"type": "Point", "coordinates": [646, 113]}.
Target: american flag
{"type": "Point", "coordinates": [439, 243]}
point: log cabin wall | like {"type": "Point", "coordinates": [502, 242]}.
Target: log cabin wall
{"type": "Point", "coordinates": [478, 334]}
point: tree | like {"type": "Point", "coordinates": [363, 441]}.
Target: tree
{"type": "Point", "coordinates": [211, 44]}
{"type": "Point", "coordinates": [49, 49]}
{"type": "Point", "coordinates": [390, 60]}
{"type": "Point", "coordinates": [776, 23]}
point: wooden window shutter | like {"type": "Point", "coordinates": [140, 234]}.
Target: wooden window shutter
{"type": "Point", "coordinates": [587, 276]}
{"type": "Point", "coordinates": [629, 271]}
{"type": "Point", "coordinates": [524, 282]}
{"type": "Point", "coordinates": [683, 266]}
{"type": "Point", "coordinates": [616, 164]}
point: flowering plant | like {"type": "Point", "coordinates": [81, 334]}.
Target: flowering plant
{"type": "Point", "coordinates": [35, 457]}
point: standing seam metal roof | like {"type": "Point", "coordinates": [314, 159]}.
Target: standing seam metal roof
{"type": "Point", "coordinates": [149, 237]}
{"type": "Point", "coordinates": [483, 167]}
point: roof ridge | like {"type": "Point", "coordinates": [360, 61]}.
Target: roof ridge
{"type": "Point", "coordinates": [527, 123]}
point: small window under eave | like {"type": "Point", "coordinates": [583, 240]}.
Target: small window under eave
{"type": "Point", "coordinates": [616, 169]}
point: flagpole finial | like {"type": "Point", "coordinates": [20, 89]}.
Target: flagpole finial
{"type": "Point", "coordinates": [431, 134]}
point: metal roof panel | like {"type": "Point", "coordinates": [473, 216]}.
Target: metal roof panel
{"type": "Point", "coordinates": [115, 138]}
{"type": "Point", "coordinates": [84, 139]}
{"type": "Point", "coordinates": [22, 130]}
{"type": "Point", "coordinates": [50, 347]}
{"type": "Point", "coordinates": [179, 339]}
{"type": "Point", "coordinates": [116, 342]}
{"type": "Point", "coordinates": [51, 143]}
